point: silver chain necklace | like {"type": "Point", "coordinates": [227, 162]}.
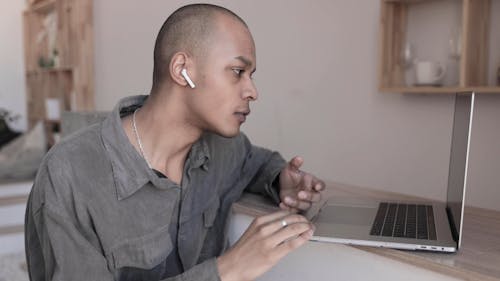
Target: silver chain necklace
{"type": "Point", "coordinates": [139, 139]}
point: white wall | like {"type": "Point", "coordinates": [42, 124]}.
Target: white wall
{"type": "Point", "coordinates": [317, 76]}
{"type": "Point", "coordinates": [12, 86]}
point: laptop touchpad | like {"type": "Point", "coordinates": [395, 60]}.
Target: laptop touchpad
{"type": "Point", "coordinates": [334, 214]}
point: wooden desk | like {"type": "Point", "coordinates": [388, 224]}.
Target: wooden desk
{"type": "Point", "coordinates": [477, 259]}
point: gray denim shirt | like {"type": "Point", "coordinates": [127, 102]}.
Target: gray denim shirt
{"type": "Point", "coordinates": [97, 212]}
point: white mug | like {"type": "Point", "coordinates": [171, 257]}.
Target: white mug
{"type": "Point", "coordinates": [429, 72]}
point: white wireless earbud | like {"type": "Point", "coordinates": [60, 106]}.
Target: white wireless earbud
{"type": "Point", "coordinates": [186, 76]}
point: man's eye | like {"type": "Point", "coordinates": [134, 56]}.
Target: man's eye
{"type": "Point", "coordinates": [238, 71]}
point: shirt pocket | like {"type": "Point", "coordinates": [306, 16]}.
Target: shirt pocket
{"type": "Point", "coordinates": [210, 213]}
{"type": "Point", "coordinates": [143, 252]}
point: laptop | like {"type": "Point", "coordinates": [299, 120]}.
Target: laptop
{"type": "Point", "coordinates": [427, 226]}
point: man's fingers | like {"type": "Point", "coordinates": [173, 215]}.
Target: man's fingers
{"type": "Point", "coordinates": [298, 204]}
{"type": "Point", "coordinates": [290, 202]}
{"type": "Point", "coordinates": [291, 231]}
{"type": "Point", "coordinates": [307, 181]}
{"type": "Point", "coordinates": [295, 163]}
{"type": "Point", "coordinates": [273, 227]}
{"type": "Point", "coordinates": [293, 243]}
{"type": "Point", "coordinates": [310, 182]}
{"type": "Point", "coordinates": [270, 217]}
{"type": "Point", "coordinates": [311, 196]}
{"type": "Point", "coordinates": [318, 185]}
{"type": "Point", "coordinates": [284, 206]}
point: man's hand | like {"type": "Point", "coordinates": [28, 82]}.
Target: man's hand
{"type": "Point", "coordinates": [268, 239]}
{"type": "Point", "coordinates": [298, 189]}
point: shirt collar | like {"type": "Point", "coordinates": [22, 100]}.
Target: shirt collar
{"type": "Point", "coordinates": [199, 154]}
{"type": "Point", "coordinates": [130, 170]}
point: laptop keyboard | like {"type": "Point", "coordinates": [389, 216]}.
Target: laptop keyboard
{"type": "Point", "coordinates": [404, 220]}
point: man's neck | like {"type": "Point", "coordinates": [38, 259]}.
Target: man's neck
{"type": "Point", "coordinates": [165, 134]}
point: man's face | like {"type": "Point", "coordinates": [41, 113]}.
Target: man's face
{"type": "Point", "coordinates": [224, 86]}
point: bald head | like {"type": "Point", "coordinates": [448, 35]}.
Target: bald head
{"type": "Point", "coordinates": [189, 29]}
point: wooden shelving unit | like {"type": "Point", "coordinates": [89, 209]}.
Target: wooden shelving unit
{"type": "Point", "coordinates": [440, 90]}
{"type": "Point", "coordinates": [58, 43]}
{"type": "Point", "coordinates": [473, 67]}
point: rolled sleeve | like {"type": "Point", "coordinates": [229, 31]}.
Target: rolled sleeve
{"type": "Point", "coordinates": [205, 271]}
{"type": "Point", "coordinates": [263, 166]}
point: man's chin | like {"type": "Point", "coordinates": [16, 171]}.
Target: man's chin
{"type": "Point", "coordinates": [226, 133]}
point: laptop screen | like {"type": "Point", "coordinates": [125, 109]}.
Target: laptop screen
{"type": "Point", "coordinates": [459, 155]}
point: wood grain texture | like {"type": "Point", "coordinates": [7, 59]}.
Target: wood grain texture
{"type": "Point", "coordinates": [477, 259]}
{"type": "Point", "coordinates": [473, 73]}
{"type": "Point", "coordinates": [72, 80]}
{"type": "Point", "coordinates": [393, 22]}
{"type": "Point", "coordinates": [441, 90]}
{"type": "Point", "coordinates": [474, 65]}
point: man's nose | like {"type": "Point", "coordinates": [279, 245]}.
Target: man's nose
{"type": "Point", "coordinates": [250, 91]}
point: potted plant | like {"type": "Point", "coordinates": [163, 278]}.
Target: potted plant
{"type": "Point", "coordinates": [6, 133]}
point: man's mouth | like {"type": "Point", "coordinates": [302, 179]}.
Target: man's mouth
{"type": "Point", "coordinates": [242, 115]}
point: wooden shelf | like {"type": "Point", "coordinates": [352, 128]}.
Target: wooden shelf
{"type": "Point", "coordinates": [407, 1]}
{"type": "Point", "coordinates": [474, 41]}
{"type": "Point", "coordinates": [441, 90]}
{"type": "Point", "coordinates": [43, 6]}
{"type": "Point", "coordinates": [49, 70]}
{"type": "Point", "coordinates": [57, 122]}
{"type": "Point", "coordinates": [58, 32]}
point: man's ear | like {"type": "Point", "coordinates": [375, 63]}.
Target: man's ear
{"type": "Point", "coordinates": [179, 62]}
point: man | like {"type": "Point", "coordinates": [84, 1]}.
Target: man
{"type": "Point", "coordinates": [145, 195]}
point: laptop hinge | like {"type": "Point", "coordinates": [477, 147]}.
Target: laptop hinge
{"type": "Point", "coordinates": [451, 222]}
